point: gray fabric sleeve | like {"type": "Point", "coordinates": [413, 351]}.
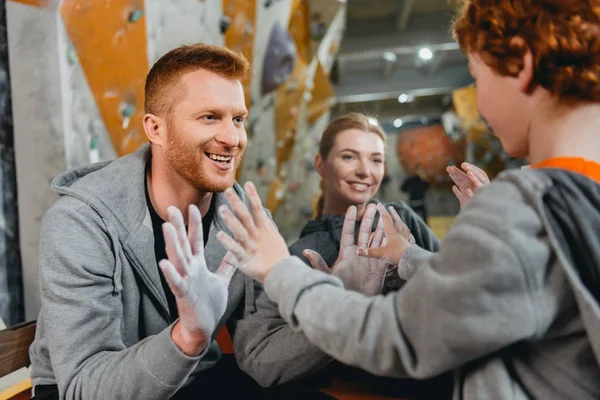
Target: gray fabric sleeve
{"type": "Point", "coordinates": [266, 347]}
{"type": "Point", "coordinates": [83, 318]}
{"type": "Point", "coordinates": [472, 298]}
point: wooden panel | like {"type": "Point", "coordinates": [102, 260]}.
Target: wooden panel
{"type": "Point", "coordinates": [35, 3]}
{"type": "Point", "coordinates": [110, 41]}
{"type": "Point", "coordinates": [14, 347]}
{"type": "Point", "coordinates": [239, 36]}
{"type": "Point", "coordinates": [18, 391]}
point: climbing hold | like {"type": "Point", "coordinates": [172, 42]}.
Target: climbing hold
{"type": "Point", "coordinates": [306, 210]}
{"type": "Point", "coordinates": [71, 55]}
{"type": "Point", "coordinates": [135, 15]}
{"type": "Point", "coordinates": [127, 110]}
{"type": "Point", "coordinates": [224, 24]}
{"type": "Point", "coordinates": [280, 59]}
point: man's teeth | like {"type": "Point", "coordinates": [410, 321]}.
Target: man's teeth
{"type": "Point", "coordinates": [219, 158]}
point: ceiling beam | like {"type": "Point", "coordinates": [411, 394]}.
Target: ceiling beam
{"type": "Point", "coordinates": [437, 63]}
{"type": "Point", "coordinates": [376, 96]}
{"type": "Point", "coordinates": [365, 85]}
{"type": "Point", "coordinates": [404, 14]}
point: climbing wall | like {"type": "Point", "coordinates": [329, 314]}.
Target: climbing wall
{"type": "Point", "coordinates": [80, 68]}
{"type": "Point", "coordinates": [290, 102]}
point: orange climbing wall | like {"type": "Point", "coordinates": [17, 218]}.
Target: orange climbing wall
{"type": "Point", "coordinates": [112, 52]}
{"type": "Point", "coordinates": [287, 107]}
{"type": "Point", "coordinates": [240, 34]}
{"type": "Point", "coordinates": [322, 95]}
{"type": "Point", "coordinates": [299, 29]}
{"type": "Point", "coordinates": [35, 3]}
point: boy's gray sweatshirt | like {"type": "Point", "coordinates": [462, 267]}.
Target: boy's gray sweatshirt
{"type": "Point", "coordinates": [510, 302]}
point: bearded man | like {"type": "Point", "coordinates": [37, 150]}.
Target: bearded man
{"type": "Point", "coordinates": [117, 322]}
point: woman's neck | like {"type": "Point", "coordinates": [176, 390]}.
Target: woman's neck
{"type": "Point", "coordinates": [334, 207]}
{"type": "Point", "coordinates": [570, 132]}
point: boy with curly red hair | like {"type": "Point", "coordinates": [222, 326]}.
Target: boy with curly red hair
{"type": "Point", "coordinates": [511, 302]}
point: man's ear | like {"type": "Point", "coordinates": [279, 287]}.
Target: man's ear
{"type": "Point", "coordinates": [155, 128]}
{"type": "Point", "coordinates": [319, 164]}
{"type": "Point", "coordinates": [525, 75]}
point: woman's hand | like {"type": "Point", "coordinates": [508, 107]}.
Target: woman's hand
{"type": "Point", "coordinates": [467, 182]}
{"type": "Point", "coordinates": [360, 274]}
{"type": "Point", "coordinates": [257, 246]}
{"type": "Point", "coordinates": [395, 243]}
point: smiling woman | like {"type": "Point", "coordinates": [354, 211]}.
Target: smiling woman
{"type": "Point", "coordinates": [351, 163]}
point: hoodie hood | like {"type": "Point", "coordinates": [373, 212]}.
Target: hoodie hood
{"type": "Point", "coordinates": [115, 190]}
{"type": "Point", "coordinates": [570, 208]}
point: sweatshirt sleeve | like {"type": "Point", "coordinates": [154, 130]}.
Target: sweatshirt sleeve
{"type": "Point", "coordinates": [83, 317]}
{"type": "Point", "coordinates": [267, 348]}
{"type": "Point", "coordinates": [472, 298]}
{"type": "Point", "coordinates": [426, 244]}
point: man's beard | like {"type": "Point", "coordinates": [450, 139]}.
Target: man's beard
{"type": "Point", "coordinates": [187, 161]}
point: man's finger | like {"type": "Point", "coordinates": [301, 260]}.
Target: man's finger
{"type": "Point", "coordinates": [195, 231]}
{"type": "Point", "coordinates": [227, 268]}
{"type": "Point", "coordinates": [241, 212]}
{"type": "Point", "coordinates": [347, 238]}
{"type": "Point", "coordinates": [234, 247]}
{"type": "Point", "coordinates": [174, 280]}
{"type": "Point", "coordinates": [316, 261]}
{"type": "Point", "coordinates": [366, 225]}
{"type": "Point", "coordinates": [173, 248]}
{"type": "Point", "coordinates": [256, 208]}
{"type": "Point", "coordinates": [235, 226]}
{"type": "Point", "coordinates": [176, 218]}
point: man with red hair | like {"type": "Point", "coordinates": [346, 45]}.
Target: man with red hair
{"type": "Point", "coordinates": [113, 324]}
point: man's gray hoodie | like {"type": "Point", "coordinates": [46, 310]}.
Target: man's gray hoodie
{"type": "Point", "coordinates": [510, 302]}
{"type": "Point", "coordinates": [104, 327]}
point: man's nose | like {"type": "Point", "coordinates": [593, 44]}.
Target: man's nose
{"type": "Point", "coordinates": [228, 135]}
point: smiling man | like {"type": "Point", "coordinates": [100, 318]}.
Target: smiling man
{"type": "Point", "coordinates": [116, 321]}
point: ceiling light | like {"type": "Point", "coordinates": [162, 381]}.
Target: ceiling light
{"type": "Point", "coordinates": [390, 56]}
{"type": "Point", "coordinates": [397, 123]}
{"type": "Point", "coordinates": [425, 53]}
{"type": "Point", "coordinates": [403, 98]}
{"type": "Point", "coordinates": [373, 121]}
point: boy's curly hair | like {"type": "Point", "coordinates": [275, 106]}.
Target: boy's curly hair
{"type": "Point", "coordinates": [563, 36]}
